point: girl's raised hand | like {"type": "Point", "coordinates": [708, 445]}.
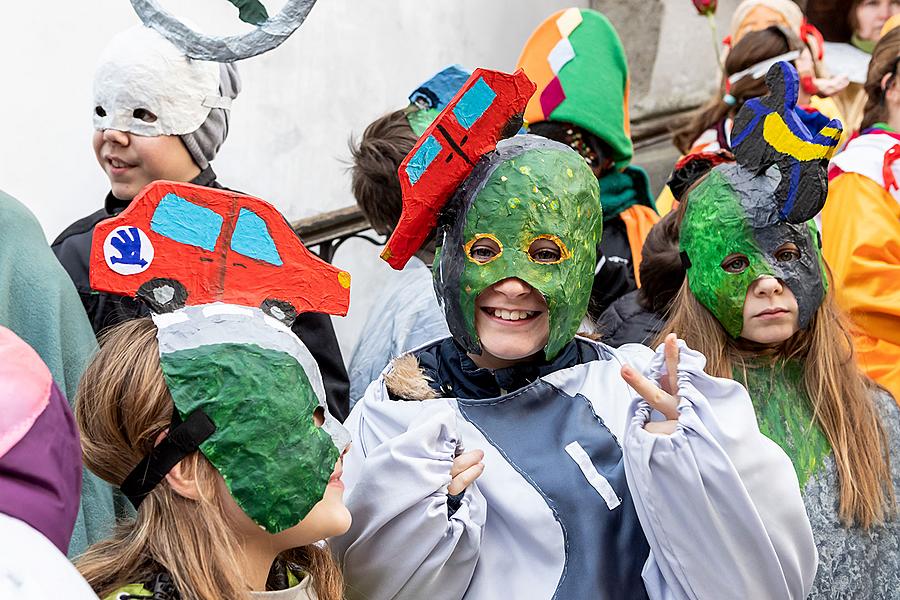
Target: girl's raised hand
{"type": "Point", "coordinates": [467, 467]}
{"type": "Point", "coordinates": [661, 397]}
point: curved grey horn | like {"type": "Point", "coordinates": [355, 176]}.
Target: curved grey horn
{"type": "Point", "coordinates": [266, 36]}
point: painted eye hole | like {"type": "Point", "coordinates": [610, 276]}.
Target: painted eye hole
{"type": "Point", "coordinates": [144, 115]}
{"type": "Point", "coordinates": [735, 263]}
{"type": "Point", "coordinates": [99, 111]}
{"type": "Point", "coordinates": [787, 253]}
{"type": "Point", "coordinates": [544, 250]}
{"type": "Point", "coordinates": [547, 249]}
{"type": "Point", "coordinates": [483, 249]}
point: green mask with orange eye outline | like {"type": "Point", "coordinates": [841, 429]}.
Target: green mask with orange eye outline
{"type": "Point", "coordinates": [528, 189]}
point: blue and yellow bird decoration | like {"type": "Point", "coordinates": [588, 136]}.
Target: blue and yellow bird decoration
{"type": "Point", "coordinates": [768, 131]}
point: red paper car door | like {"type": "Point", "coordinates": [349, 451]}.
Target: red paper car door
{"type": "Point", "coordinates": [268, 266]}
{"type": "Point", "coordinates": [166, 247]}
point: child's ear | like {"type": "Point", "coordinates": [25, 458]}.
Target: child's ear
{"type": "Point", "coordinates": [182, 478]}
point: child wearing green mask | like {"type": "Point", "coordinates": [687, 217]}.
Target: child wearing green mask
{"type": "Point", "coordinates": [240, 515]}
{"type": "Point", "coordinates": [526, 461]}
{"type": "Point", "coordinates": [756, 302]}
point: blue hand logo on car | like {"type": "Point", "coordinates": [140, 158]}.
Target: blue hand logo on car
{"type": "Point", "coordinates": [128, 243]}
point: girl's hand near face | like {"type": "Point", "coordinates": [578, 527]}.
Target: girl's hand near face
{"type": "Point", "coordinates": [662, 397]}
{"type": "Point", "coordinates": [467, 467]}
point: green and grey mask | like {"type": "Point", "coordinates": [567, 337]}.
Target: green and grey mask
{"type": "Point", "coordinates": [528, 188]}
{"type": "Point", "coordinates": [731, 213]}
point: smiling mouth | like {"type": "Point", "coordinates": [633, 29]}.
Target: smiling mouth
{"type": "Point", "coordinates": [118, 164]}
{"type": "Point", "coordinates": [511, 315]}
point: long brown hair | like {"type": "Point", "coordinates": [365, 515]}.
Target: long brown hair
{"type": "Point", "coordinates": [840, 395]}
{"type": "Point", "coordinates": [753, 48]}
{"type": "Point", "coordinates": [121, 407]}
{"type": "Point", "coordinates": [883, 62]}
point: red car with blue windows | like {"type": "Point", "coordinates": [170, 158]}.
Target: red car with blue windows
{"type": "Point", "coordinates": [179, 244]}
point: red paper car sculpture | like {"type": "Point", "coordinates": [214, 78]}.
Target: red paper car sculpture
{"type": "Point", "coordinates": [180, 244]}
{"type": "Point", "coordinates": [487, 109]}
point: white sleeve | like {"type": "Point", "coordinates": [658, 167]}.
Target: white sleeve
{"type": "Point", "coordinates": [402, 543]}
{"type": "Point", "coordinates": [719, 502]}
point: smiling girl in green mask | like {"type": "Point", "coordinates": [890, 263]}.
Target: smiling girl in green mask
{"type": "Point", "coordinates": [524, 460]}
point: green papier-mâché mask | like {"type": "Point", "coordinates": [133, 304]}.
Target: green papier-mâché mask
{"type": "Point", "coordinates": [526, 189]}
{"type": "Point", "coordinates": [731, 212]}
{"type": "Point", "coordinates": [260, 386]}
{"type": "Point", "coordinates": [739, 218]}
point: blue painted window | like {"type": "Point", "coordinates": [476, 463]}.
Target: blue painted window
{"type": "Point", "coordinates": [474, 103]}
{"type": "Point", "coordinates": [186, 222]}
{"type": "Point", "coordinates": [423, 157]}
{"type": "Point", "coordinates": [251, 238]}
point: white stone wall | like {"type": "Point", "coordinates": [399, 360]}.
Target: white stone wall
{"type": "Point", "coordinates": [352, 61]}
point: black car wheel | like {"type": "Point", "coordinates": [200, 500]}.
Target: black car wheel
{"type": "Point", "coordinates": [279, 309]}
{"type": "Point", "coordinates": [163, 295]}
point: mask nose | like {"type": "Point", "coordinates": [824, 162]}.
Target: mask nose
{"type": "Point", "coordinates": [767, 286]}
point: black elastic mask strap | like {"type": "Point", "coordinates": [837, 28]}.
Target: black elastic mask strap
{"type": "Point", "coordinates": [183, 439]}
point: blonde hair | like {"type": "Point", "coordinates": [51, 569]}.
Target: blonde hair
{"type": "Point", "coordinates": [121, 407]}
{"type": "Point", "coordinates": [839, 394]}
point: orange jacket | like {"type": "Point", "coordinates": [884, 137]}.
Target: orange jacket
{"type": "Point", "coordinates": [861, 243]}
{"type": "Point", "coordinates": [638, 219]}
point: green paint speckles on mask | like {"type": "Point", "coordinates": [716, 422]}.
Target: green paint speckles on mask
{"type": "Point", "coordinates": [713, 228]}
{"type": "Point", "coordinates": [541, 192]}
{"type": "Point", "coordinates": [274, 459]}
{"type": "Point", "coordinates": [785, 415]}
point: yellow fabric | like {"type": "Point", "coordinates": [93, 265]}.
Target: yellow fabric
{"type": "Point", "coordinates": [861, 243]}
{"type": "Point", "coordinates": [638, 221]}
{"type": "Point", "coordinates": [665, 202]}
{"type": "Point", "coordinates": [890, 24]}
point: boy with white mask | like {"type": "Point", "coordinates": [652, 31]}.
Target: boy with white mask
{"type": "Point", "coordinates": [159, 114]}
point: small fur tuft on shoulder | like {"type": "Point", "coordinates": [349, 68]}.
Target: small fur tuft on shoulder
{"type": "Point", "coordinates": [406, 380]}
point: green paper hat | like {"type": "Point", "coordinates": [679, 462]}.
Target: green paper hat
{"type": "Point", "coordinates": [578, 63]}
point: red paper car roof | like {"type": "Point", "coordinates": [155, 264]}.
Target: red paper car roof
{"type": "Point", "coordinates": [487, 109]}
{"type": "Point", "coordinates": [178, 244]}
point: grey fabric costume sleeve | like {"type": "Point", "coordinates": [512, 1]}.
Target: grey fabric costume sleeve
{"type": "Point", "coordinates": [402, 544]}
{"type": "Point", "coordinates": [719, 502]}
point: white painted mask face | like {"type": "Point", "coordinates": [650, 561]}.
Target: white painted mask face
{"type": "Point", "coordinates": [145, 86]}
